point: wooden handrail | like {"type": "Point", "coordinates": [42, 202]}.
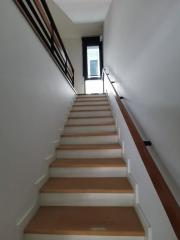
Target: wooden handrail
{"type": "Point", "coordinates": [39, 17]}
{"type": "Point", "coordinates": [167, 199]}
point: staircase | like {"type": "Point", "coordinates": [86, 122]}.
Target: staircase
{"type": "Point", "coordinates": [88, 195]}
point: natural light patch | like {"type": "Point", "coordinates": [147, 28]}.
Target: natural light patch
{"type": "Point", "coordinates": [94, 86]}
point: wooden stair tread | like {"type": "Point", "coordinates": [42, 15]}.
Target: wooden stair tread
{"type": "Point", "coordinates": [88, 162]}
{"type": "Point", "coordinates": [90, 124]}
{"type": "Point", "coordinates": [91, 100]}
{"type": "Point", "coordinates": [102, 221]}
{"type": "Point", "coordinates": [85, 117]}
{"type": "Point", "coordinates": [88, 146]}
{"type": "Point", "coordinates": [95, 96]}
{"type": "Point", "coordinates": [91, 95]}
{"type": "Point", "coordinates": [89, 134]}
{"type": "Point", "coordinates": [91, 105]}
{"type": "Point", "coordinates": [92, 110]}
{"type": "Point", "coordinates": [101, 103]}
{"type": "Point", "coordinates": [87, 185]}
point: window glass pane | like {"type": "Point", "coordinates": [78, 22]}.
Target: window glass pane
{"type": "Point", "coordinates": [93, 62]}
{"type": "Point", "coordinates": [93, 67]}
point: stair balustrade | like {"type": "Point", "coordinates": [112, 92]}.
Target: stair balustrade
{"type": "Point", "coordinates": [39, 17]}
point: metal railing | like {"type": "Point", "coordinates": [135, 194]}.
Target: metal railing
{"type": "Point", "coordinates": [39, 17]}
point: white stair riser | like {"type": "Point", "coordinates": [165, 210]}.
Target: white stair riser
{"type": "Point", "coordinates": [91, 114]}
{"type": "Point", "coordinates": [89, 172]}
{"type": "Point", "coordinates": [90, 129]}
{"type": "Point", "coordinates": [76, 237]}
{"type": "Point", "coordinates": [89, 121]}
{"type": "Point", "coordinates": [90, 103]}
{"type": "Point", "coordinates": [90, 140]}
{"type": "Point", "coordinates": [75, 108]}
{"type": "Point", "coordinates": [106, 153]}
{"type": "Point", "coordinates": [92, 99]}
{"type": "Point", "coordinates": [91, 95]}
{"type": "Point", "coordinates": [87, 199]}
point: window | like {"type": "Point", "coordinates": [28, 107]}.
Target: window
{"type": "Point", "coordinates": [92, 64]}
{"type": "Point", "coordinates": [92, 58]}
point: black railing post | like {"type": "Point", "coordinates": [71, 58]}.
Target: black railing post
{"type": "Point", "coordinates": [73, 77]}
{"type": "Point", "coordinates": [52, 39]}
{"type": "Point", "coordinates": [66, 67]}
{"type": "Point", "coordinates": [39, 17]}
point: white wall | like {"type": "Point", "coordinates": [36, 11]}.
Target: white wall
{"type": "Point", "coordinates": [157, 225]}
{"type": "Point", "coordinates": [71, 34]}
{"type": "Point", "coordinates": [142, 51]}
{"type": "Point", "coordinates": [74, 47]}
{"type": "Point", "coordinates": [34, 101]}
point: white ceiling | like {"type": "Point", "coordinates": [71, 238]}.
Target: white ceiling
{"type": "Point", "coordinates": [85, 11]}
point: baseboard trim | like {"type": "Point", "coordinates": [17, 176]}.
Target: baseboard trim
{"type": "Point", "coordinates": [135, 187]}
{"type": "Point", "coordinates": [144, 221]}
{"type": "Point", "coordinates": [56, 143]}
{"type": "Point", "coordinates": [50, 158]}
{"type": "Point", "coordinates": [41, 181]}
{"type": "Point", "coordinates": [140, 213]}
{"type": "Point", "coordinates": [60, 131]}
{"type": "Point", "coordinates": [25, 219]}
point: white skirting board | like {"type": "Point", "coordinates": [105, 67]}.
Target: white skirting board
{"type": "Point", "coordinates": [140, 213]}
{"type": "Point", "coordinates": [144, 221]}
{"type": "Point", "coordinates": [28, 215]}
{"type": "Point", "coordinates": [25, 219]}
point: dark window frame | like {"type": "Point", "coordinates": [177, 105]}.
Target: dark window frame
{"type": "Point", "coordinates": [87, 42]}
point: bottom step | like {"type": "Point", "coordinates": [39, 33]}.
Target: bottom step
{"type": "Point", "coordinates": [75, 237]}
{"type": "Point", "coordinates": [93, 221]}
